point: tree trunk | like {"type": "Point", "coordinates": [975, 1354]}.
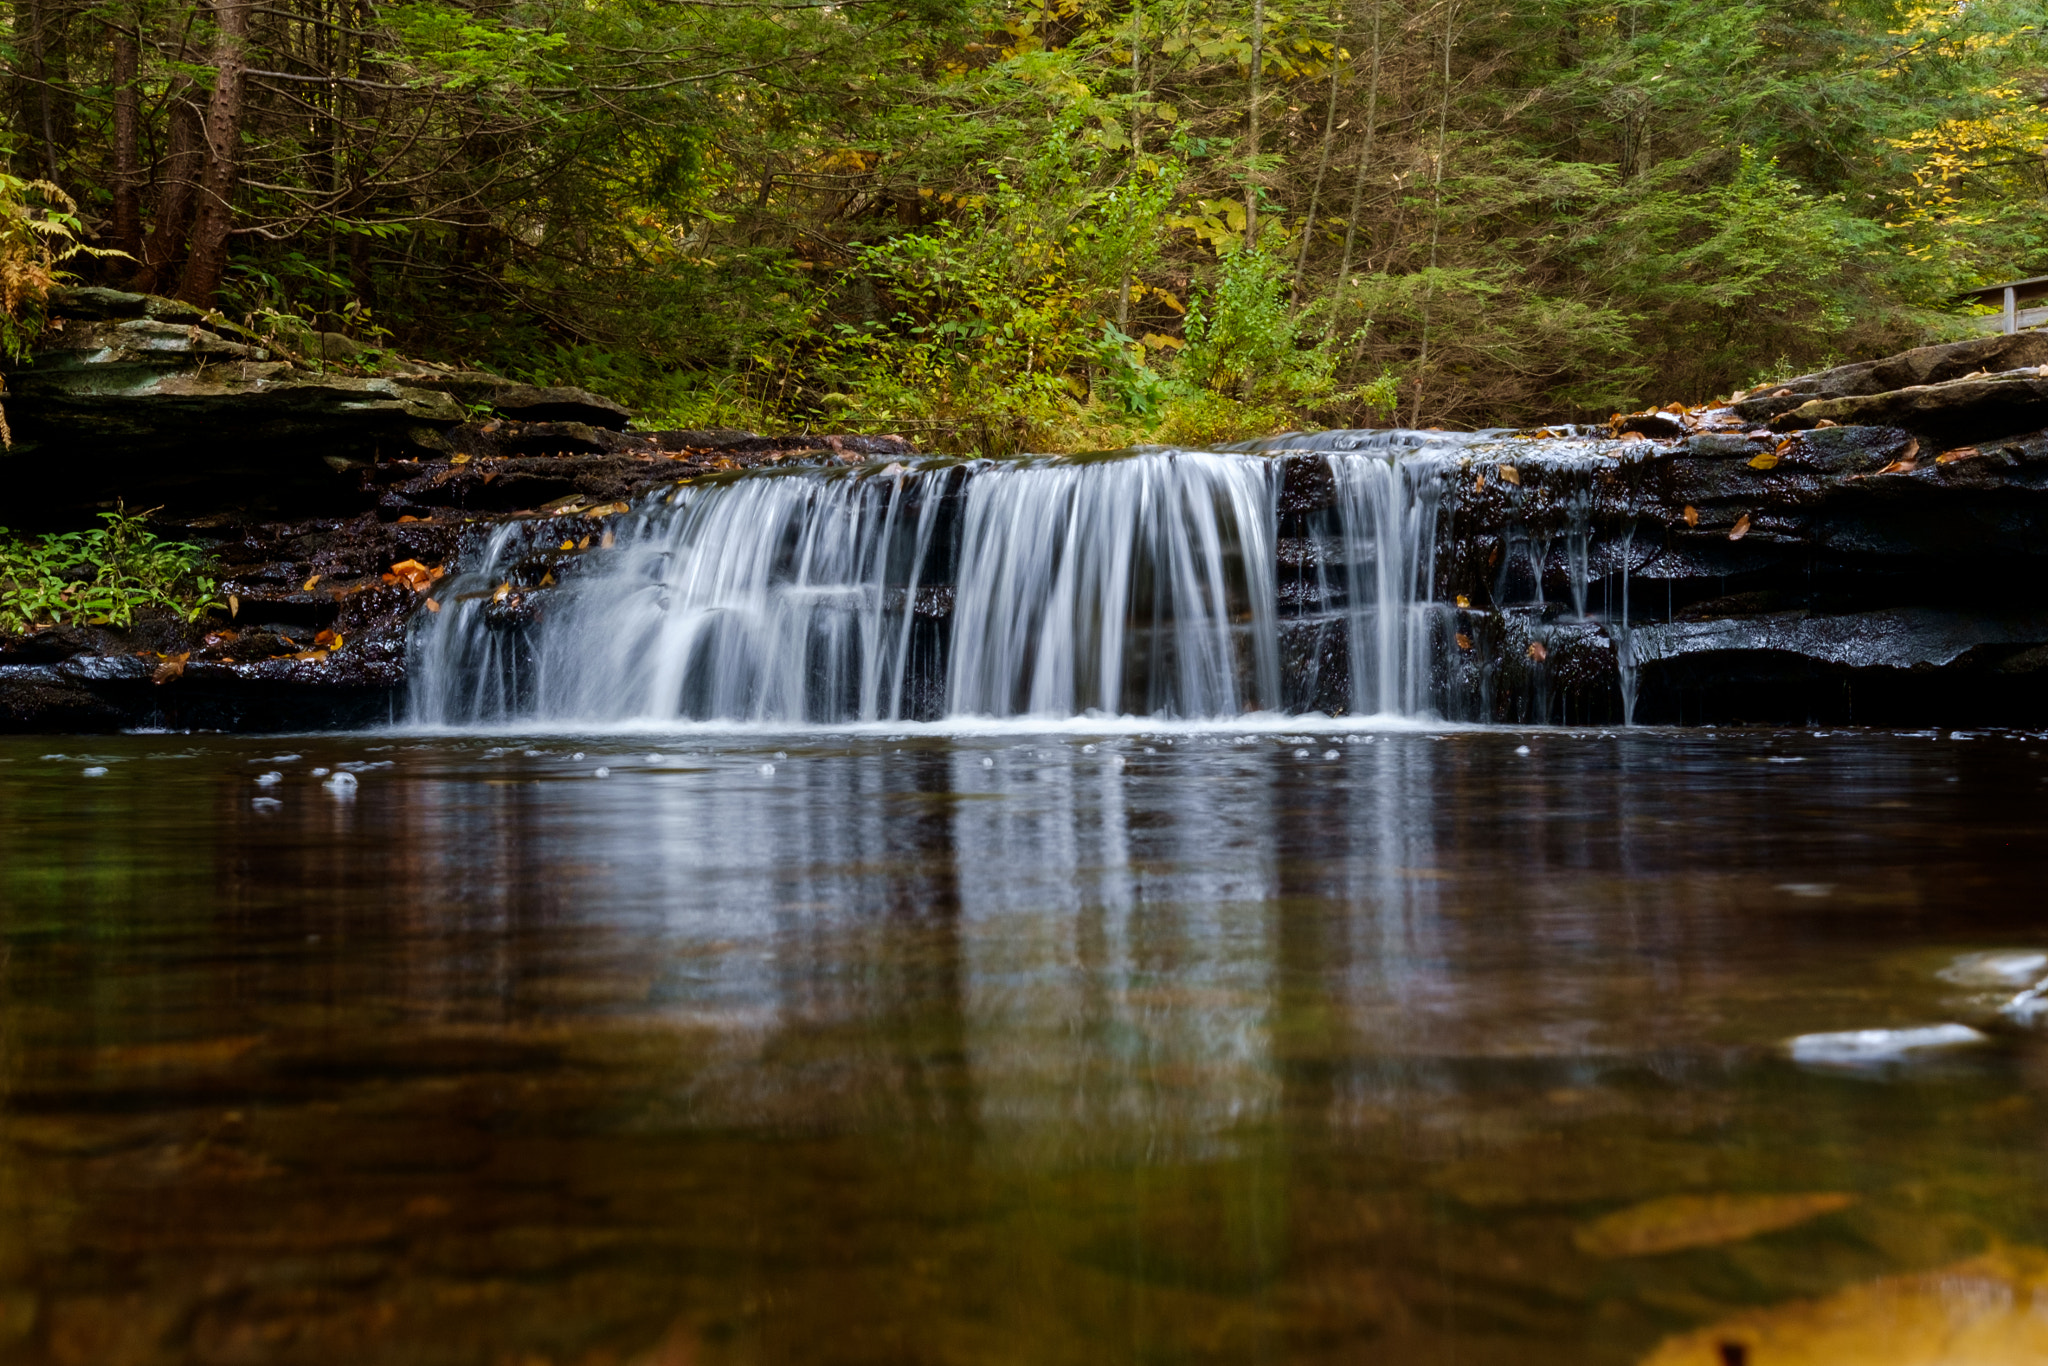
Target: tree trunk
{"type": "Point", "coordinates": [1315, 195]}
{"type": "Point", "coordinates": [1436, 214]}
{"type": "Point", "coordinates": [1251, 160]}
{"type": "Point", "coordinates": [126, 233]}
{"type": "Point", "coordinates": [1123, 289]}
{"type": "Point", "coordinates": [223, 136]}
{"type": "Point", "coordinates": [181, 169]}
{"type": "Point", "coordinates": [1372, 122]}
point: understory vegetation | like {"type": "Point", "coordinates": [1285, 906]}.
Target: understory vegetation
{"type": "Point", "coordinates": [105, 576]}
{"type": "Point", "coordinates": [1053, 224]}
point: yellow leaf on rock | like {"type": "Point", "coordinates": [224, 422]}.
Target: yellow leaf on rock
{"type": "Point", "coordinates": [502, 591]}
{"type": "Point", "coordinates": [459, 459]}
{"type": "Point", "coordinates": [1681, 1221]}
{"type": "Point", "coordinates": [568, 545]}
{"type": "Point", "coordinates": [1464, 601]}
{"type": "Point", "coordinates": [1766, 461]}
{"type": "Point", "coordinates": [307, 586]}
{"type": "Point", "coordinates": [1981, 1312]}
{"type": "Point", "coordinates": [1511, 475]}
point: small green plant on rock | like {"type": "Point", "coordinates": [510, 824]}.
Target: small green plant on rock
{"type": "Point", "coordinates": [101, 577]}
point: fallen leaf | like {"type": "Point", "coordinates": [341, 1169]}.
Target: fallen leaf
{"type": "Point", "coordinates": [433, 606]}
{"type": "Point", "coordinates": [607, 510]}
{"type": "Point", "coordinates": [1479, 484]}
{"type": "Point", "coordinates": [1980, 1312]}
{"type": "Point", "coordinates": [1464, 601]}
{"type": "Point", "coordinates": [501, 592]}
{"type": "Point", "coordinates": [583, 544]}
{"type": "Point", "coordinates": [1511, 475]}
{"type": "Point", "coordinates": [1464, 641]}
{"type": "Point", "coordinates": [1678, 408]}
{"type": "Point", "coordinates": [1827, 422]}
{"type": "Point", "coordinates": [568, 545]}
{"type": "Point", "coordinates": [547, 580]}
{"type": "Point", "coordinates": [1959, 453]}
{"type": "Point", "coordinates": [314, 656]}
{"type": "Point", "coordinates": [608, 542]}
{"type": "Point", "coordinates": [1766, 461]}
{"type": "Point", "coordinates": [458, 459]}
{"type": "Point", "coordinates": [1740, 529]}
{"type": "Point", "coordinates": [1692, 515]}
{"type": "Point", "coordinates": [414, 575]}
{"type": "Point", "coordinates": [1681, 1221]}
{"type": "Point", "coordinates": [1537, 652]}
{"type": "Point", "coordinates": [408, 517]}
{"type": "Point", "coordinates": [172, 667]}
{"type": "Point", "coordinates": [234, 606]}
{"type": "Point", "coordinates": [307, 586]}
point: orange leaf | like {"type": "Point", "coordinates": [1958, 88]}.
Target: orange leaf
{"type": "Point", "coordinates": [1479, 484]}
{"type": "Point", "coordinates": [1511, 475]}
{"type": "Point", "coordinates": [433, 606]}
{"type": "Point", "coordinates": [1692, 515]}
{"type": "Point", "coordinates": [1464, 601]}
{"type": "Point", "coordinates": [307, 586]}
{"type": "Point", "coordinates": [501, 593]}
{"type": "Point", "coordinates": [1959, 453]}
{"type": "Point", "coordinates": [1537, 652]}
{"type": "Point", "coordinates": [1740, 529]}
{"type": "Point", "coordinates": [1464, 641]}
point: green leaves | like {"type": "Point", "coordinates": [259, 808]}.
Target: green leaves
{"type": "Point", "coordinates": [103, 576]}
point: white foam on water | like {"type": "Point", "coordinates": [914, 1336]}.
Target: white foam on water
{"type": "Point", "coordinates": [1878, 1047]}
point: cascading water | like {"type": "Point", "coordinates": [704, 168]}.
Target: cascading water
{"type": "Point", "coordinates": [1141, 584]}
{"type": "Point", "coordinates": [1144, 584]}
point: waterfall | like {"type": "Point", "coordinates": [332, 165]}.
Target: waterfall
{"type": "Point", "coordinates": [1387, 515]}
{"type": "Point", "coordinates": [1140, 584]}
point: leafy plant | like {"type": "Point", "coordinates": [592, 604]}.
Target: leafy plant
{"type": "Point", "coordinates": [104, 576]}
{"type": "Point", "coordinates": [39, 232]}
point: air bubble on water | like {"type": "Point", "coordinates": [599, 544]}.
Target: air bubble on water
{"type": "Point", "coordinates": [319, 772]}
{"type": "Point", "coordinates": [767, 770]}
{"type": "Point", "coordinates": [265, 803]}
{"type": "Point", "coordinates": [1087, 749]}
{"type": "Point", "coordinates": [987, 762]}
{"type": "Point", "coordinates": [779, 754]}
{"type": "Point", "coordinates": [1150, 750]}
{"type": "Point", "coordinates": [654, 759]}
{"type": "Point", "coordinates": [1329, 754]}
{"type": "Point", "coordinates": [271, 779]}
{"type": "Point", "coordinates": [1521, 749]}
{"type": "Point", "coordinates": [604, 773]}
{"type": "Point", "coordinates": [341, 785]}
{"type": "Point", "coordinates": [95, 772]}
{"type": "Point", "coordinates": [577, 756]}
{"type": "Point", "coordinates": [1301, 754]}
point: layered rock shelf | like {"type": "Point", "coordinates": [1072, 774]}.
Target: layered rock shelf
{"type": "Point", "coordinates": [1860, 545]}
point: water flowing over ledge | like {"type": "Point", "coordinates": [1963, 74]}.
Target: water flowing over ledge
{"type": "Point", "coordinates": [1176, 585]}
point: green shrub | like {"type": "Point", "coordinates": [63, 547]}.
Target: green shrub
{"type": "Point", "coordinates": [102, 577]}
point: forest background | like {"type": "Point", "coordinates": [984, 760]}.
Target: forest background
{"type": "Point", "coordinates": [1046, 225]}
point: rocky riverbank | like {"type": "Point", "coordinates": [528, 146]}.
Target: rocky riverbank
{"type": "Point", "coordinates": [335, 487]}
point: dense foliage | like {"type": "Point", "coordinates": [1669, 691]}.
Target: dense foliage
{"type": "Point", "coordinates": [105, 576]}
{"type": "Point", "coordinates": [1059, 222]}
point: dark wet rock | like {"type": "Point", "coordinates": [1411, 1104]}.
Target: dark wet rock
{"type": "Point", "coordinates": [1922, 366]}
{"type": "Point", "coordinates": [1952, 414]}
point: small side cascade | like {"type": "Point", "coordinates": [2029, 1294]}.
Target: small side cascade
{"type": "Point", "coordinates": [1388, 512]}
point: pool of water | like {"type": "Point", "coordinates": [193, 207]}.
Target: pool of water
{"type": "Point", "coordinates": [1156, 1046]}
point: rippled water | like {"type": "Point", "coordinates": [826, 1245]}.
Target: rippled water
{"type": "Point", "coordinates": [1317, 1045]}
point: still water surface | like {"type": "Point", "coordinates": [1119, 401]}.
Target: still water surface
{"type": "Point", "coordinates": [1173, 1046]}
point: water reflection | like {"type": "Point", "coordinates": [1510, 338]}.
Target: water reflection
{"type": "Point", "coordinates": [862, 1048]}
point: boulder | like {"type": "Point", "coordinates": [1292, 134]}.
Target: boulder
{"type": "Point", "coordinates": [1955, 413]}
